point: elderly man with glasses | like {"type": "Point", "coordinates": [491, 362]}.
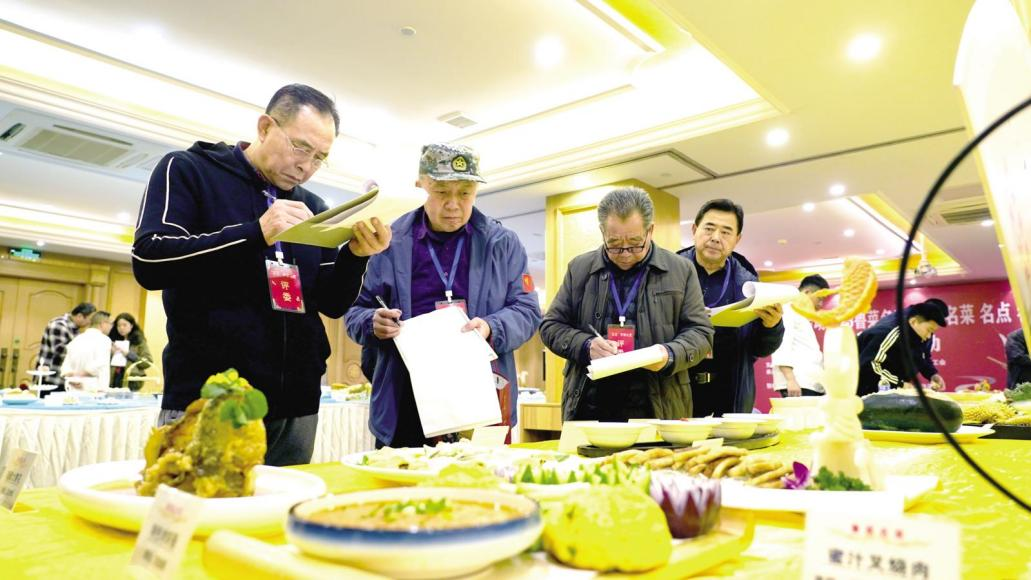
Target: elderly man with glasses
{"type": "Point", "coordinates": [635, 294]}
{"type": "Point", "coordinates": [234, 297]}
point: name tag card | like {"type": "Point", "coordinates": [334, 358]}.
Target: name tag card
{"type": "Point", "coordinates": [491, 436]}
{"type": "Point", "coordinates": [14, 475]}
{"type": "Point", "coordinates": [847, 547]}
{"type": "Point", "coordinates": [572, 436]}
{"type": "Point", "coordinates": [166, 532]}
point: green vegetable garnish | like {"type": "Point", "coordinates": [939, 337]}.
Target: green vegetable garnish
{"type": "Point", "coordinates": [1019, 392]}
{"type": "Point", "coordinates": [828, 481]}
{"type": "Point", "coordinates": [249, 405]}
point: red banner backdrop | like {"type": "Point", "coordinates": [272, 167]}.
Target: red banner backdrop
{"type": "Point", "coordinates": [970, 349]}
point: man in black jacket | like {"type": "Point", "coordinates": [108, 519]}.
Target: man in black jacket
{"type": "Point", "coordinates": [725, 382]}
{"type": "Point", "coordinates": [882, 356]}
{"type": "Point", "coordinates": [234, 298]}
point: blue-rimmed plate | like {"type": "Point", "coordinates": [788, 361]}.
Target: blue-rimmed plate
{"type": "Point", "coordinates": [416, 552]}
{"type": "Point", "coordinates": [19, 400]}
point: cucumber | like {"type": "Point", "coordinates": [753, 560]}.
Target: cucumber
{"type": "Point", "coordinates": [892, 411]}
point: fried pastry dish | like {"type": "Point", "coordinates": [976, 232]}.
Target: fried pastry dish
{"type": "Point", "coordinates": [212, 449]}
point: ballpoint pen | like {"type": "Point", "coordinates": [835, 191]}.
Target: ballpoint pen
{"type": "Point", "coordinates": [384, 305]}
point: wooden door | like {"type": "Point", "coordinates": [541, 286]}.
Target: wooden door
{"type": "Point", "coordinates": [8, 307]}
{"type": "Point", "coordinates": [34, 303]}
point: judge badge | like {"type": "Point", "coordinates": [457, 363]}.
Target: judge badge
{"type": "Point", "coordinates": [284, 284]}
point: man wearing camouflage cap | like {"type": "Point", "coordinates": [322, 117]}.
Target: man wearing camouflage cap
{"type": "Point", "coordinates": [445, 253]}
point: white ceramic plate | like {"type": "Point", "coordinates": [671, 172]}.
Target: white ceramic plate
{"type": "Point", "coordinates": [103, 493]}
{"type": "Point", "coordinates": [396, 475]}
{"type": "Point", "coordinates": [19, 400]}
{"type": "Point", "coordinates": [965, 434]}
{"type": "Point", "coordinates": [901, 492]}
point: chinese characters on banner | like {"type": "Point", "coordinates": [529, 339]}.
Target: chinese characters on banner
{"type": "Point", "coordinates": [970, 349]}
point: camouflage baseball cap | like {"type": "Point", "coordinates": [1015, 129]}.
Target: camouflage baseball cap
{"type": "Point", "coordinates": [450, 162]}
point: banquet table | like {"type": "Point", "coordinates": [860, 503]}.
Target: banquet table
{"type": "Point", "coordinates": [66, 437]}
{"type": "Point", "coordinates": [996, 536]}
{"type": "Point", "coordinates": [69, 436]}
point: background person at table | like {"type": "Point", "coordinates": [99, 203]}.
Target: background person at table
{"type": "Point", "coordinates": [56, 336]}
{"type": "Point", "coordinates": [205, 239]}
{"type": "Point", "coordinates": [725, 382]}
{"type": "Point", "coordinates": [881, 352]}
{"type": "Point", "coordinates": [798, 363]}
{"type": "Point", "coordinates": [445, 250]}
{"type": "Point", "coordinates": [926, 365]}
{"type": "Point", "coordinates": [87, 365]}
{"type": "Point", "coordinates": [628, 287]}
{"type": "Point", "coordinates": [1018, 363]}
{"type": "Point", "coordinates": [137, 354]}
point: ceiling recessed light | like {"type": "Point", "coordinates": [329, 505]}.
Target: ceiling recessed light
{"type": "Point", "coordinates": [768, 263]}
{"type": "Point", "coordinates": [408, 31]}
{"type": "Point", "coordinates": [777, 137]}
{"type": "Point", "coordinates": [548, 52]}
{"type": "Point", "coordinates": [849, 233]}
{"type": "Point", "coordinates": [124, 216]}
{"type": "Point", "coordinates": [808, 206]}
{"type": "Point", "coordinates": [41, 243]}
{"type": "Point", "coordinates": [864, 47]}
{"type": "Point", "coordinates": [880, 251]}
{"type": "Point", "coordinates": [837, 189]}
{"type": "Point", "coordinates": [987, 223]}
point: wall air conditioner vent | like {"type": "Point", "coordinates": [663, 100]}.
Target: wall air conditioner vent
{"type": "Point", "coordinates": [964, 211]}
{"type": "Point", "coordinates": [55, 140]}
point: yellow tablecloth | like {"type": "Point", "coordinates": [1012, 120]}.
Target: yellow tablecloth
{"type": "Point", "coordinates": [45, 541]}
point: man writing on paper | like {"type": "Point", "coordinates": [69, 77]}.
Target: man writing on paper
{"type": "Point", "coordinates": [640, 295]}
{"type": "Point", "coordinates": [235, 299]}
{"type": "Point", "coordinates": [444, 254]}
{"type": "Point", "coordinates": [798, 363]}
{"type": "Point", "coordinates": [882, 357]}
{"type": "Point", "coordinates": [725, 381]}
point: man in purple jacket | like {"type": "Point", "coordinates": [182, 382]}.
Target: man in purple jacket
{"type": "Point", "coordinates": [444, 252]}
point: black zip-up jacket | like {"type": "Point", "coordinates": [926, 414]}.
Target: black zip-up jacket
{"type": "Point", "coordinates": [882, 356]}
{"type": "Point", "coordinates": [198, 240]}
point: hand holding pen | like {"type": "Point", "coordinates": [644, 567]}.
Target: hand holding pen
{"type": "Point", "coordinates": [386, 322]}
{"type": "Point", "coordinates": [602, 347]}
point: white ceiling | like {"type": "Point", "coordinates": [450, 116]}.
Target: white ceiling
{"type": "Point", "coordinates": [887, 126]}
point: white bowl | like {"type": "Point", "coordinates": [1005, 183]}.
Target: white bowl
{"type": "Point", "coordinates": [798, 412]}
{"type": "Point", "coordinates": [613, 435]}
{"type": "Point", "coordinates": [770, 423]}
{"type": "Point", "coordinates": [736, 428]}
{"type": "Point", "coordinates": [680, 432]}
{"type": "Point", "coordinates": [417, 553]}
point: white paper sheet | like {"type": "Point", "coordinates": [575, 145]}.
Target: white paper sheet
{"type": "Point", "coordinates": [334, 226]}
{"type": "Point", "coordinates": [757, 295]}
{"type": "Point", "coordinates": [118, 359]}
{"type": "Point", "coordinates": [451, 374]}
{"type": "Point", "coordinates": [623, 362]}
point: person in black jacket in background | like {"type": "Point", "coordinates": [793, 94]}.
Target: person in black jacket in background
{"type": "Point", "coordinates": [234, 298]}
{"type": "Point", "coordinates": [1018, 363]}
{"type": "Point", "coordinates": [882, 357]}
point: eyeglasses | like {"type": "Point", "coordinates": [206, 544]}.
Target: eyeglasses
{"type": "Point", "coordinates": [301, 151]}
{"type": "Point", "coordinates": [627, 250]}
